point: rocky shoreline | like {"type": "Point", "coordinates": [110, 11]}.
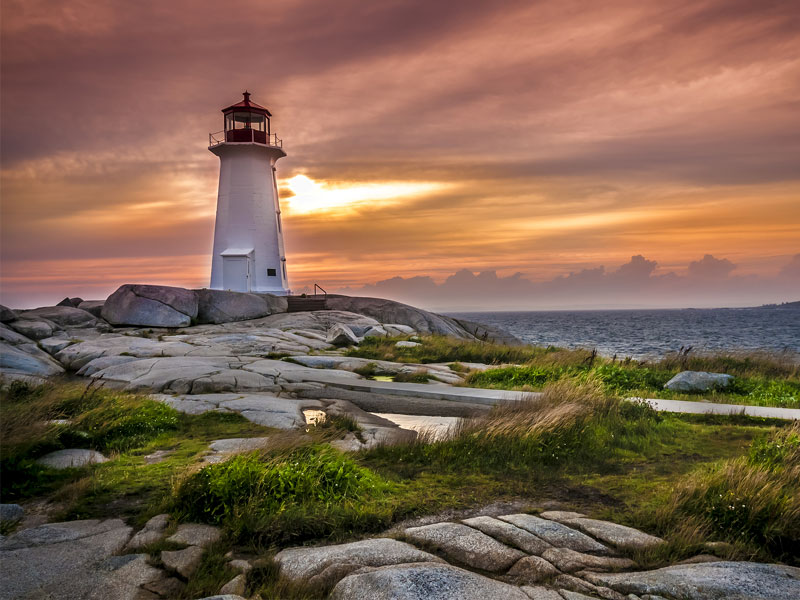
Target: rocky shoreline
{"type": "Point", "coordinates": [203, 351]}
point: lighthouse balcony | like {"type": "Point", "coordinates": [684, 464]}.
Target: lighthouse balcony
{"type": "Point", "coordinates": [244, 136]}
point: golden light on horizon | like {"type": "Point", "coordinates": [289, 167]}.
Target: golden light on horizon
{"type": "Point", "coordinates": [315, 196]}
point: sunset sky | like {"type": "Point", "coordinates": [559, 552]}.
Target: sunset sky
{"type": "Point", "coordinates": [427, 142]}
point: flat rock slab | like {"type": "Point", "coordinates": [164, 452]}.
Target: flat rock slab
{"type": "Point", "coordinates": [63, 561]}
{"type": "Point", "coordinates": [556, 534]}
{"type": "Point", "coordinates": [196, 534]}
{"type": "Point", "coordinates": [465, 545]}
{"type": "Point", "coordinates": [300, 564]}
{"type": "Point", "coordinates": [571, 561]}
{"type": "Point", "coordinates": [620, 536]}
{"type": "Point", "coordinates": [723, 580]}
{"type": "Point", "coordinates": [261, 408]}
{"type": "Point", "coordinates": [71, 458]}
{"type": "Point", "coordinates": [509, 534]}
{"type": "Point", "coordinates": [425, 581]}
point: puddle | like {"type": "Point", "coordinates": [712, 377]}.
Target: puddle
{"type": "Point", "coordinates": [438, 425]}
{"type": "Point", "coordinates": [313, 416]}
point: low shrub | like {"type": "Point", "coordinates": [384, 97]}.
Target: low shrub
{"type": "Point", "coordinates": [119, 422]}
{"type": "Point", "coordinates": [270, 484]}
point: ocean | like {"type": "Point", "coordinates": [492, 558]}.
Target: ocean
{"type": "Point", "coordinates": [652, 333]}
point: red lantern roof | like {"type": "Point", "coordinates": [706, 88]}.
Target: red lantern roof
{"type": "Point", "coordinates": [246, 104]}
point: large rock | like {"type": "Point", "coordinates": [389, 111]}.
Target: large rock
{"type": "Point", "coordinates": [423, 582]}
{"type": "Point", "coordinates": [388, 311]}
{"type": "Point", "coordinates": [63, 316]}
{"type": "Point", "coordinates": [623, 537]}
{"type": "Point", "coordinates": [301, 564]}
{"type": "Point", "coordinates": [341, 335]}
{"type": "Point", "coordinates": [94, 307]}
{"type": "Point", "coordinates": [7, 315]}
{"type": "Point", "coordinates": [509, 534]}
{"type": "Point", "coordinates": [465, 545]}
{"type": "Point", "coordinates": [34, 328]}
{"type": "Point", "coordinates": [221, 306]}
{"type": "Point", "coordinates": [708, 581]}
{"type": "Point", "coordinates": [556, 534]}
{"type": "Point", "coordinates": [71, 458]}
{"type": "Point", "coordinates": [64, 561]}
{"type": "Point", "coordinates": [698, 381]}
{"type": "Point", "coordinates": [24, 360]}
{"type": "Point", "coordinates": [151, 306]}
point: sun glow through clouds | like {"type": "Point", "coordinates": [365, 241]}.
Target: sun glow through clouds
{"type": "Point", "coordinates": [311, 196]}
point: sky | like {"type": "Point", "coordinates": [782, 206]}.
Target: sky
{"type": "Point", "coordinates": [470, 155]}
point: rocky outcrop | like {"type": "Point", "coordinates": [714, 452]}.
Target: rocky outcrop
{"type": "Point", "coordinates": [221, 306]}
{"type": "Point", "coordinates": [626, 538]}
{"type": "Point", "coordinates": [7, 315]}
{"type": "Point", "coordinates": [151, 306]}
{"type": "Point", "coordinates": [509, 534]}
{"type": "Point", "coordinates": [698, 381]}
{"type": "Point", "coordinates": [465, 545]}
{"type": "Point", "coordinates": [94, 307]}
{"type": "Point", "coordinates": [63, 561]}
{"type": "Point", "coordinates": [21, 358]}
{"type": "Point", "coordinates": [388, 311]}
{"type": "Point", "coordinates": [63, 316]}
{"type": "Point", "coordinates": [341, 335]}
{"type": "Point", "coordinates": [556, 534]}
{"type": "Point", "coordinates": [302, 564]}
{"type": "Point", "coordinates": [708, 581]}
{"type": "Point", "coordinates": [422, 582]}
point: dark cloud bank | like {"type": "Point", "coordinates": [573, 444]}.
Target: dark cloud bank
{"type": "Point", "coordinates": [708, 282]}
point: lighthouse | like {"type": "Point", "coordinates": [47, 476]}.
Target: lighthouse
{"type": "Point", "coordinates": [248, 253]}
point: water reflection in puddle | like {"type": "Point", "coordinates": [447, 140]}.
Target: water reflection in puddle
{"type": "Point", "coordinates": [314, 417]}
{"type": "Point", "coordinates": [438, 425]}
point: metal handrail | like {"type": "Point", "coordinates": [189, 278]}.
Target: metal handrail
{"type": "Point", "coordinates": [319, 287]}
{"type": "Point", "coordinates": [218, 137]}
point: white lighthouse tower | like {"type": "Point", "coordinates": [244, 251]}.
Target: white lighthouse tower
{"type": "Point", "coordinates": [248, 251]}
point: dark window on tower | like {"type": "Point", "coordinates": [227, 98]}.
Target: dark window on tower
{"type": "Point", "coordinates": [271, 272]}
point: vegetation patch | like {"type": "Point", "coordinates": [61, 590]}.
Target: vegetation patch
{"type": "Point", "coordinates": [752, 501]}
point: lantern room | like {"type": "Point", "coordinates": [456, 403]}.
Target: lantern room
{"type": "Point", "coordinates": [247, 121]}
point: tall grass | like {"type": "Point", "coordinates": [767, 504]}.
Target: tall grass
{"type": "Point", "coordinates": [752, 501]}
{"type": "Point", "coordinates": [437, 349]}
{"type": "Point", "coordinates": [572, 422]}
{"type": "Point", "coordinates": [37, 419]}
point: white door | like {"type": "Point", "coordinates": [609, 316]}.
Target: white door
{"type": "Point", "coordinates": [236, 273]}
